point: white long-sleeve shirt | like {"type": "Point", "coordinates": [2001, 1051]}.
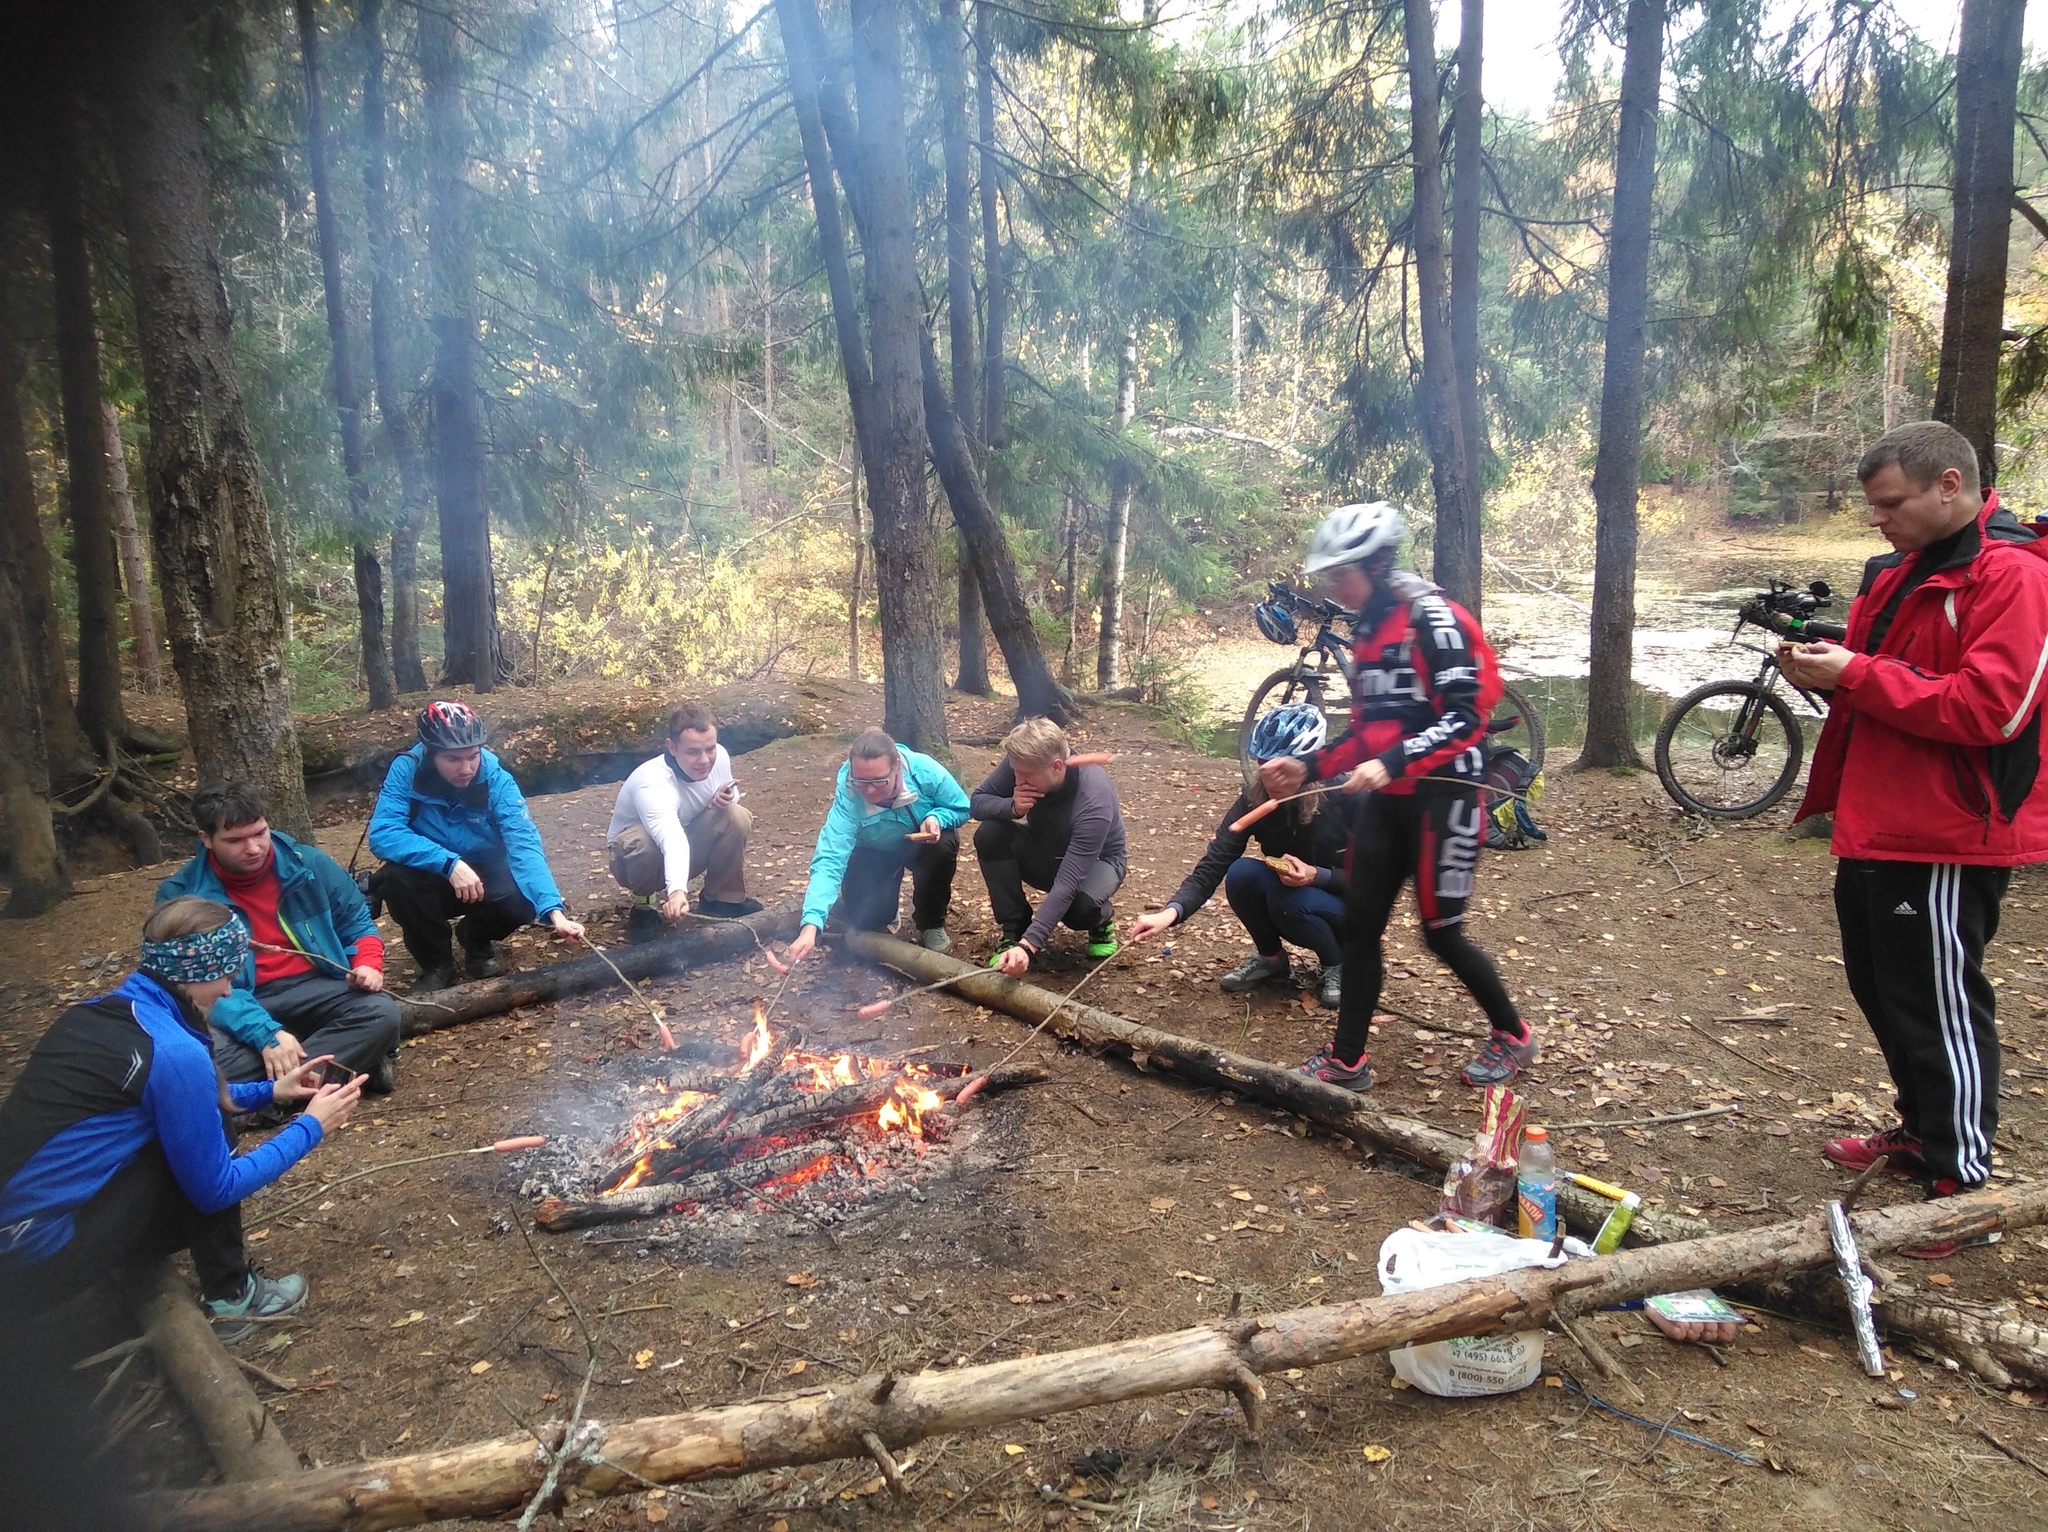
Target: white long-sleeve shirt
{"type": "Point", "coordinates": [663, 801]}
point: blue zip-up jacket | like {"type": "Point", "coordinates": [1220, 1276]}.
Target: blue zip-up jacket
{"type": "Point", "coordinates": [318, 904]}
{"type": "Point", "coordinates": [110, 1075]}
{"type": "Point", "coordinates": [420, 821]}
{"type": "Point", "coordinates": [929, 792]}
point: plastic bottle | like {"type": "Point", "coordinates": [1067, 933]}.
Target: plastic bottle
{"type": "Point", "coordinates": [1608, 1240]}
{"type": "Point", "coordinates": [1536, 1186]}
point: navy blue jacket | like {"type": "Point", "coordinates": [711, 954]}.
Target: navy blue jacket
{"type": "Point", "coordinates": [420, 821]}
{"type": "Point", "coordinates": [109, 1076]}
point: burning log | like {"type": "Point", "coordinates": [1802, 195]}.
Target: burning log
{"type": "Point", "coordinates": [761, 1059]}
{"type": "Point", "coordinates": [558, 981]}
{"type": "Point", "coordinates": [240, 1433]}
{"type": "Point", "coordinates": [558, 1216]}
{"type": "Point", "coordinates": [841, 1420]}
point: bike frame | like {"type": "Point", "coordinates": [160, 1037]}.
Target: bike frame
{"type": "Point", "coordinates": [1770, 673]}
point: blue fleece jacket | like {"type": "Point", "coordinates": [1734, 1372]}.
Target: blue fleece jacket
{"type": "Point", "coordinates": [317, 901]}
{"type": "Point", "coordinates": [108, 1077]}
{"type": "Point", "coordinates": [421, 821]}
{"type": "Point", "coordinates": [929, 792]}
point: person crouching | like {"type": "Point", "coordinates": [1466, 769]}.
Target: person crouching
{"type": "Point", "coordinates": [677, 813]}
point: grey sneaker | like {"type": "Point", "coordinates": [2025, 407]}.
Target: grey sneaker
{"type": "Point", "coordinates": [1252, 972]}
{"type": "Point", "coordinates": [234, 1319]}
{"type": "Point", "coordinates": [935, 939]}
{"type": "Point", "coordinates": [1500, 1061]}
{"type": "Point", "coordinates": [1330, 986]}
{"type": "Point", "coordinates": [1330, 1069]}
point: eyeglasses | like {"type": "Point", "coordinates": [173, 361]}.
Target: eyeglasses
{"type": "Point", "coordinates": [865, 783]}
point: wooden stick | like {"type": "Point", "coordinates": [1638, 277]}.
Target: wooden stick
{"type": "Point", "coordinates": [238, 1430]}
{"type": "Point", "coordinates": [828, 1422]}
{"type": "Point", "coordinates": [2012, 1452]}
{"type": "Point", "coordinates": [668, 1040]}
{"type": "Point", "coordinates": [502, 1146]}
{"type": "Point", "coordinates": [1644, 1122]}
{"type": "Point", "coordinates": [1598, 1354]}
{"type": "Point", "coordinates": [1753, 1063]}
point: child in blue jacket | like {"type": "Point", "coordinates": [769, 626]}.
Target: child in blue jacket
{"type": "Point", "coordinates": [456, 839]}
{"type": "Point", "coordinates": [893, 811]}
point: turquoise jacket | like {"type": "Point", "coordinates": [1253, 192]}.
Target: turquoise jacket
{"type": "Point", "coordinates": [929, 792]}
{"type": "Point", "coordinates": [317, 901]}
{"type": "Point", "coordinates": [420, 821]}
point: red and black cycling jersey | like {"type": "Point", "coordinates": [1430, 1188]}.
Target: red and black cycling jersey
{"type": "Point", "coordinates": [1424, 681]}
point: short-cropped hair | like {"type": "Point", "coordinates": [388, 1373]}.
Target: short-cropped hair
{"type": "Point", "coordinates": [1036, 742]}
{"type": "Point", "coordinates": [872, 745]}
{"type": "Point", "coordinates": [694, 717]}
{"type": "Point", "coordinates": [215, 809]}
{"type": "Point", "coordinates": [1924, 451]}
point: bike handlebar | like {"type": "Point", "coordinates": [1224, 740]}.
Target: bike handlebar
{"type": "Point", "coordinates": [1802, 629]}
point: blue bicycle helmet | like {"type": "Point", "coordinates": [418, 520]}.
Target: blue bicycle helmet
{"type": "Point", "coordinates": [1298, 729]}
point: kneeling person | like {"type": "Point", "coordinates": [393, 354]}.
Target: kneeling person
{"type": "Point", "coordinates": [456, 839]}
{"type": "Point", "coordinates": [893, 811]}
{"type": "Point", "coordinates": [676, 813]}
{"type": "Point", "coordinates": [313, 982]}
{"type": "Point", "coordinates": [1295, 891]}
{"type": "Point", "coordinates": [1055, 827]}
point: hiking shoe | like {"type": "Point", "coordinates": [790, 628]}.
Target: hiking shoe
{"type": "Point", "coordinates": [731, 909]}
{"type": "Point", "coordinates": [1330, 986]}
{"type": "Point", "coordinates": [382, 1079]}
{"type": "Point", "coordinates": [1102, 942]}
{"type": "Point", "coordinates": [935, 939]}
{"type": "Point", "coordinates": [234, 1319]}
{"type": "Point", "coordinates": [1941, 1250]}
{"type": "Point", "coordinates": [1859, 1154]}
{"type": "Point", "coordinates": [1327, 1067]}
{"type": "Point", "coordinates": [1253, 971]}
{"type": "Point", "coordinates": [481, 962]}
{"type": "Point", "coordinates": [1009, 939]}
{"type": "Point", "coordinates": [433, 980]}
{"type": "Point", "coordinates": [1500, 1061]}
{"type": "Point", "coordinates": [643, 924]}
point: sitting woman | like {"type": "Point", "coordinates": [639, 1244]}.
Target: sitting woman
{"type": "Point", "coordinates": [1295, 892]}
{"type": "Point", "coordinates": [113, 1145]}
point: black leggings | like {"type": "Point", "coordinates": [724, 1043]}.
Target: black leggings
{"type": "Point", "coordinates": [1433, 835]}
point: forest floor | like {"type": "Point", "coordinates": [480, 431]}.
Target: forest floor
{"type": "Point", "coordinates": [1129, 1204]}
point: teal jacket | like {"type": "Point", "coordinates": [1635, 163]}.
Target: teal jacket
{"type": "Point", "coordinates": [929, 792]}
{"type": "Point", "coordinates": [317, 901]}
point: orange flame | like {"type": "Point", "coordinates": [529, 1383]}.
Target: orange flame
{"type": "Point", "coordinates": [756, 1047]}
{"type": "Point", "coordinates": [906, 1110]}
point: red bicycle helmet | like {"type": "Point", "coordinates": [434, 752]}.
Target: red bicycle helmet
{"type": "Point", "coordinates": [451, 726]}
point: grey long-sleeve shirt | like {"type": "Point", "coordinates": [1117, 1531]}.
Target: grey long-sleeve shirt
{"type": "Point", "coordinates": [1080, 823]}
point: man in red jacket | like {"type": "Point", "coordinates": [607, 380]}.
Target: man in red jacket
{"type": "Point", "coordinates": [1929, 762]}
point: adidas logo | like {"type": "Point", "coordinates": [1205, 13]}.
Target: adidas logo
{"type": "Point", "coordinates": [1905, 909]}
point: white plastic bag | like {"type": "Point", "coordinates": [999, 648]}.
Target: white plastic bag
{"type": "Point", "coordinates": [1412, 1260]}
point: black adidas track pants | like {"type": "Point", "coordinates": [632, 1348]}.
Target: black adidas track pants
{"type": "Point", "coordinates": [1913, 940]}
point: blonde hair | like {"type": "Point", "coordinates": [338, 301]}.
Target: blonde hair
{"type": "Point", "coordinates": [1036, 742]}
{"type": "Point", "coordinates": [186, 916]}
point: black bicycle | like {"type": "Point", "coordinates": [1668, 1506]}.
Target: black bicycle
{"type": "Point", "coordinates": [1317, 677]}
{"type": "Point", "coordinates": [1731, 749]}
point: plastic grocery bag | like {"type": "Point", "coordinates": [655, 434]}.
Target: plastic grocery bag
{"type": "Point", "coordinates": [1412, 1260]}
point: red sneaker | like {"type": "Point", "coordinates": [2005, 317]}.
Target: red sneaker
{"type": "Point", "coordinates": [1941, 1250]}
{"type": "Point", "coordinates": [1859, 1154]}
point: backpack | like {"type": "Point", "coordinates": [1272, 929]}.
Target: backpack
{"type": "Point", "coordinates": [1509, 824]}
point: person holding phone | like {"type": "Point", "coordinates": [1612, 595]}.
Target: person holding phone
{"type": "Point", "coordinates": [678, 816]}
{"type": "Point", "coordinates": [113, 1147]}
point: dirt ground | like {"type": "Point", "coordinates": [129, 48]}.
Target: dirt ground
{"type": "Point", "coordinates": [1130, 1204]}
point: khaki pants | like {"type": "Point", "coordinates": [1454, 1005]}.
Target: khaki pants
{"type": "Point", "coordinates": [718, 850]}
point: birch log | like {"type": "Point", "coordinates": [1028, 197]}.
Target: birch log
{"type": "Point", "coordinates": [240, 1433]}
{"type": "Point", "coordinates": [817, 1424]}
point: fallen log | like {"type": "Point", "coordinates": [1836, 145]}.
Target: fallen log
{"type": "Point", "coordinates": [1999, 1348]}
{"type": "Point", "coordinates": [240, 1433]}
{"type": "Point", "coordinates": [699, 942]}
{"type": "Point", "coordinates": [558, 1216]}
{"type": "Point", "coordinates": [838, 1420]}
{"type": "Point", "coordinates": [1328, 1106]}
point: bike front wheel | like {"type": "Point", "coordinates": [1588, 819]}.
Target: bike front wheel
{"type": "Point", "coordinates": [1280, 689]}
{"type": "Point", "coordinates": [1729, 749]}
{"type": "Point", "coordinates": [1516, 724]}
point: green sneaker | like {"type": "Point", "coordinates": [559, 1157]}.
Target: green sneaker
{"type": "Point", "coordinates": [1102, 942]}
{"type": "Point", "coordinates": [1009, 939]}
{"type": "Point", "coordinates": [234, 1319]}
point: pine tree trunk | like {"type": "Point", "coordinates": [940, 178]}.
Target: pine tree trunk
{"type": "Point", "coordinates": [348, 393]}
{"type": "Point", "coordinates": [472, 648]}
{"type": "Point", "coordinates": [1988, 57]}
{"type": "Point", "coordinates": [100, 712]}
{"type": "Point", "coordinates": [949, 67]}
{"type": "Point", "coordinates": [1610, 689]}
{"type": "Point", "coordinates": [149, 661]}
{"type": "Point", "coordinates": [1123, 483]}
{"type": "Point", "coordinates": [386, 318]}
{"type": "Point", "coordinates": [35, 873]}
{"type": "Point", "coordinates": [996, 291]}
{"type": "Point", "coordinates": [1455, 565]}
{"type": "Point", "coordinates": [1467, 122]}
{"type": "Point", "coordinates": [211, 528]}
{"type": "Point", "coordinates": [1073, 586]}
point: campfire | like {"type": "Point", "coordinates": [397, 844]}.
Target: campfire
{"type": "Point", "coordinates": [769, 1119]}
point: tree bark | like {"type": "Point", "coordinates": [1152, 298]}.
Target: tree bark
{"type": "Point", "coordinates": [211, 527]}
{"type": "Point", "coordinates": [348, 393]}
{"type": "Point", "coordinates": [1455, 564]}
{"type": "Point", "coordinates": [1123, 483]}
{"type": "Point", "coordinates": [386, 317]}
{"type": "Point", "coordinates": [1988, 55]}
{"type": "Point", "coordinates": [1229, 1354]}
{"type": "Point", "coordinates": [149, 663]}
{"type": "Point", "coordinates": [995, 290]}
{"type": "Point", "coordinates": [240, 1433]}
{"type": "Point", "coordinates": [1073, 587]}
{"type": "Point", "coordinates": [473, 648]}
{"type": "Point", "coordinates": [1610, 690]}
{"type": "Point", "coordinates": [1467, 122]}
{"type": "Point", "coordinates": [100, 712]}
{"type": "Point", "coordinates": [36, 877]}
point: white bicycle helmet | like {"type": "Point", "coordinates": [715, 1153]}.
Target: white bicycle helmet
{"type": "Point", "coordinates": [1353, 533]}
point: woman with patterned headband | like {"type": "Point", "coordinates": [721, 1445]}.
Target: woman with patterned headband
{"type": "Point", "coordinates": [113, 1145]}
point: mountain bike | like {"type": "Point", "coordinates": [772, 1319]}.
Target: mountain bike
{"type": "Point", "coordinates": [1317, 677]}
{"type": "Point", "coordinates": [1731, 749]}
